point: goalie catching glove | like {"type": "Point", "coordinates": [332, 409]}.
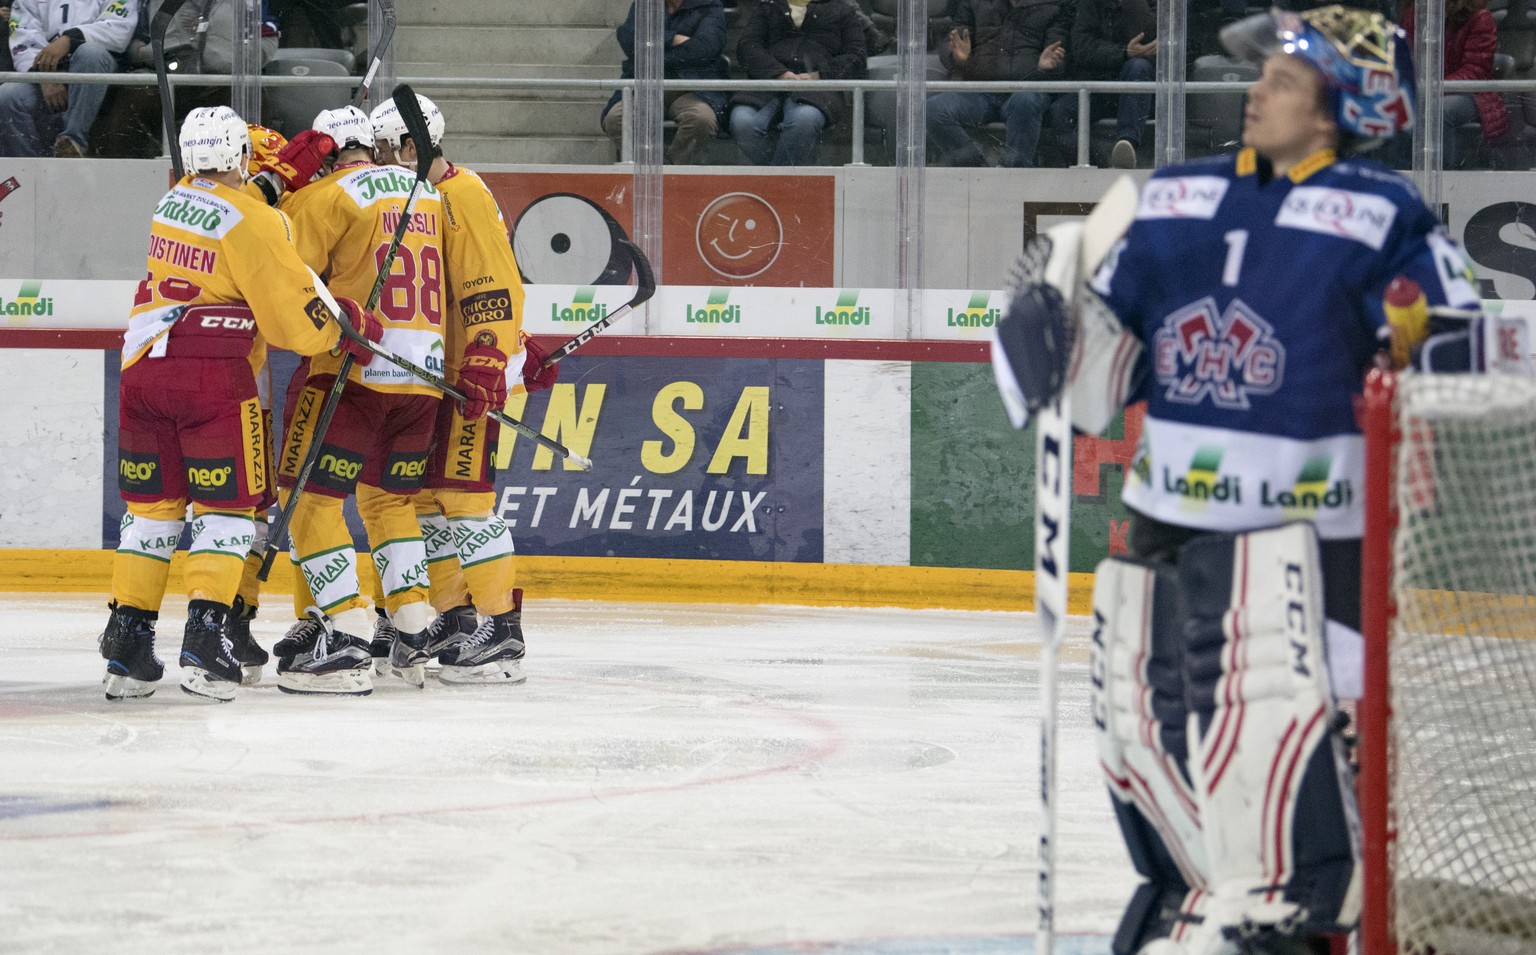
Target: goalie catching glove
{"type": "Point", "coordinates": [365, 323]}
{"type": "Point", "coordinates": [298, 161]}
{"type": "Point", "coordinates": [536, 375]}
{"type": "Point", "coordinates": [483, 377]}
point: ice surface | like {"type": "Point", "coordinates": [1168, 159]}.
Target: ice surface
{"type": "Point", "coordinates": [671, 778]}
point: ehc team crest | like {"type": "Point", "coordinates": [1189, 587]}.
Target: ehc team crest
{"type": "Point", "coordinates": [1227, 356]}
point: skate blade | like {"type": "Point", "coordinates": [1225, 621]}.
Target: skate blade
{"type": "Point", "coordinates": [203, 685]}
{"type": "Point", "coordinates": [507, 672]}
{"type": "Point", "coordinates": [336, 683]}
{"type": "Point", "coordinates": [415, 675]}
{"type": "Point", "coordinates": [250, 675]}
{"type": "Point", "coordinates": [126, 688]}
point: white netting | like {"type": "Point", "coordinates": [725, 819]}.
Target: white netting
{"type": "Point", "coordinates": [1464, 666]}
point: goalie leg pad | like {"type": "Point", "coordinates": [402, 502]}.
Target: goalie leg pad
{"type": "Point", "coordinates": [1276, 802]}
{"type": "Point", "coordinates": [1139, 712]}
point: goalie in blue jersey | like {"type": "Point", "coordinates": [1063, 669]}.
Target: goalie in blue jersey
{"type": "Point", "coordinates": [1245, 303]}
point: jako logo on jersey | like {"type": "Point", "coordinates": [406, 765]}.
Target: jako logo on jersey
{"type": "Point", "coordinates": [1227, 357]}
{"type": "Point", "coordinates": [582, 308]}
{"type": "Point", "coordinates": [976, 314]}
{"type": "Point", "coordinates": [1182, 197]}
{"type": "Point", "coordinates": [389, 181]}
{"type": "Point", "coordinates": [715, 310]}
{"type": "Point", "coordinates": [845, 312]}
{"type": "Point", "coordinates": [1358, 216]}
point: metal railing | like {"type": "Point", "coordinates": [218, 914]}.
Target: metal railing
{"type": "Point", "coordinates": [859, 88]}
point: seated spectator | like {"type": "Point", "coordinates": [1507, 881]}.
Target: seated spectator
{"type": "Point", "coordinates": [694, 32]}
{"type": "Point", "coordinates": [803, 41]}
{"type": "Point", "coordinates": [5, 37]}
{"type": "Point", "coordinates": [83, 36]}
{"type": "Point", "coordinates": [1000, 40]}
{"type": "Point", "coordinates": [1109, 42]}
{"type": "Point", "coordinates": [1471, 39]}
{"type": "Point", "coordinates": [201, 37]}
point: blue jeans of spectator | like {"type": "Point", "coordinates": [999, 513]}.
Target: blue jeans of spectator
{"type": "Point", "coordinates": [20, 104]}
{"type": "Point", "coordinates": [950, 115]}
{"type": "Point", "coordinates": [1134, 108]}
{"type": "Point", "coordinates": [800, 126]}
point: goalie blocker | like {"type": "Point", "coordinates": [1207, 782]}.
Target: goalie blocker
{"type": "Point", "coordinates": [1218, 735]}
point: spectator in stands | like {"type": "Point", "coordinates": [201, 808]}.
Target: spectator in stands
{"type": "Point", "coordinates": [694, 32]}
{"type": "Point", "coordinates": [327, 21]}
{"type": "Point", "coordinates": [876, 40]}
{"type": "Point", "coordinates": [200, 38]}
{"type": "Point", "coordinates": [1110, 42]}
{"type": "Point", "coordinates": [999, 40]}
{"type": "Point", "coordinates": [801, 41]}
{"type": "Point", "coordinates": [5, 38]}
{"type": "Point", "coordinates": [83, 36]}
{"type": "Point", "coordinates": [1471, 39]}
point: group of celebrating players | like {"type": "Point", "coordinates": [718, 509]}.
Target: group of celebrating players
{"type": "Point", "coordinates": [239, 249]}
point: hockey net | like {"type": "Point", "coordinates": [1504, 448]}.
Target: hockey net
{"type": "Point", "coordinates": [1448, 723]}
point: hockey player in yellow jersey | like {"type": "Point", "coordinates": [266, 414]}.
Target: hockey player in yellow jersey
{"type": "Point", "coordinates": [381, 434]}
{"type": "Point", "coordinates": [469, 548]}
{"type": "Point", "coordinates": [224, 279]}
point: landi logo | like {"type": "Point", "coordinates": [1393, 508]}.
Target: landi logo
{"type": "Point", "coordinates": [739, 235]}
{"type": "Point", "coordinates": [28, 302]}
{"type": "Point", "coordinates": [1312, 491]}
{"type": "Point", "coordinates": [847, 311]}
{"type": "Point", "coordinates": [1203, 482]}
{"type": "Point", "coordinates": [716, 310]}
{"type": "Point", "coordinates": [582, 309]}
{"type": "Point", "coordinates": [977, 314]}
{"type": "Point", "coordinates": [10, 185]}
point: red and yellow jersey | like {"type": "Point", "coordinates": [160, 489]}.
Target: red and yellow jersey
{"type": "Point", "coordinates": [213, 245]}
{"type": "Point", "coordinates": [485, 294]}
{"type": "Point", "coordinates": [343, 224]}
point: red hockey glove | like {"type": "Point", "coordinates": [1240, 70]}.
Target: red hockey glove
{"type": "Point", "coordinates": [483, 379]}
{"type": "Point", "coordinates": [365, 323]}
{"type": "Point", "coordinates": [536, 377]}
{"type": "Point", "coordinates": [299, 160]}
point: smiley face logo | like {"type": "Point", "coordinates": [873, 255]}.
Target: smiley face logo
{"type": "Point", "coordinates": [739, 235]}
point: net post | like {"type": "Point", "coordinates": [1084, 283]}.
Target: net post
{"type": "Point", "coordinates": [1375, 711]}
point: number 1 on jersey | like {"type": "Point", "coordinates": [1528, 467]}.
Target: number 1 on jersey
{"type": "Point", "coordinates": [1237, 241]}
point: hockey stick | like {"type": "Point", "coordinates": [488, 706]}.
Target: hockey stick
{"type": "Point", "coordinates": [416, 125]}
{"type": "Point", "coordinates": [437, 381]}
{"type": "Point", "coordinates": [157, 27]}
{"type": "Point", "coordinates": [645, 288]}
{"type": "Point", "coordinates": [1053, 511]}
{"type": "Point", "coordinates": [385, 35]}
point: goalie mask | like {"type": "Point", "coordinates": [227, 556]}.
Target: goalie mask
{"type": "Point", "coordinates": [348, 126]}
{"type": "Point", "coordinates": [389, 126]}
{"type": "Point", "coordinates": [1363, 58]}
{"type": "Point", "coordinates": [214, 139]}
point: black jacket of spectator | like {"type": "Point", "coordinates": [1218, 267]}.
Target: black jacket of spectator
{"type": "Point", "coordinates": [1100, 32]}
{"type": "Point", "coordinates": [701, 57]}
{"type": "Point", "coordinates": [830, 41]}
{"type": "Point", "coordinates": [1007, 37]}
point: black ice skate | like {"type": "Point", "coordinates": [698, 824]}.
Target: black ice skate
{"type": "Point", "coordinates": [384, 634]}
{"type": "Point", "coordinates": [128, 646]}
{"type": "Point", "coordinates": [250, 654]}
{"type": "Point", "coordinates": [450, 627]}
{"type": "Point", "coordinates": [209, 669]}
{"type": "Point", "coordinates": [492, 654]}
{"type": "Point", "coordinates": [408, 653]}
{"type": "Point", "coordinates": [318, 656]}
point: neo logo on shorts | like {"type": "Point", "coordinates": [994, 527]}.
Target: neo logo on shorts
{"type": "Point", "coordinates": [344, 468]}
{"type": "Point", "coordinates": [1198, 354]}
{"type": "Point", "coordinates": [136, 472]}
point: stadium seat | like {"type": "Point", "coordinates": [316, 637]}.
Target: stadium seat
{"type": "Point", "coordinates": [344, 57]}
{"type": "Point", "coordinates": [1214, 121]}
{"type": "Point", "coordinates": [290, 109]}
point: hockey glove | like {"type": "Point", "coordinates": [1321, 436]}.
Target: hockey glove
{"type": "Point", "coordinates": [536, 376]}
{"type": "Point", "coordinates": [483, 378]}
{"type": "Point", "coordinates": [366, 324]}
{"type": "Point", "coordinates": [298, 162]}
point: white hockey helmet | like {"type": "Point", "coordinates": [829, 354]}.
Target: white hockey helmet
{"type": "Point", "coordinates": [214, 139]}
{"type": "Point", "coordinates": [388, 124]}
{"type": "Point", "coordinates": [348, 126]}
